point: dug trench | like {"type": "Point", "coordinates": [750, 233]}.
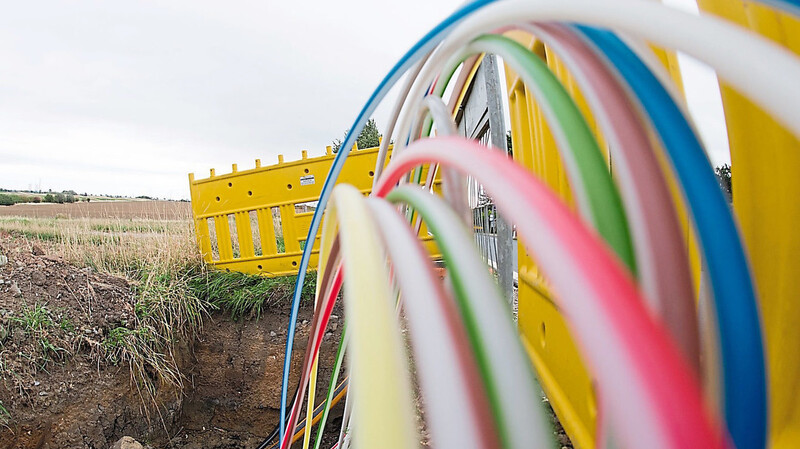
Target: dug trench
{"type": "Point", "coordinates": [66, 382]}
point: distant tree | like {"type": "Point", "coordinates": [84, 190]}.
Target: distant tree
{"type": "Point", "coordinates": [6, 200]}
{"type": "Point", "coordinates": [725, 180]}
{"type": "Point", "coordinates": [37, 199]}
{"type": "Point", "coordinates": [49, 198]}
{"type": "Point", "coordinates": [368, 138]}
{"type": "Point", "coordinates": [60, 198]}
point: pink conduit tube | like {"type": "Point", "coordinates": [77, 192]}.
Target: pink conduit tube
{"type": "Point", "coordinates": [656, 397]}
{"type": "Point", "coordinates": [659, 245]}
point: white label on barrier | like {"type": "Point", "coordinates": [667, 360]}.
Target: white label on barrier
{"type": "Point", "coordinates": [307, 180]}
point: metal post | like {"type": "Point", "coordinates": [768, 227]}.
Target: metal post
{"type": "Point", "coordinates": [497, 128]}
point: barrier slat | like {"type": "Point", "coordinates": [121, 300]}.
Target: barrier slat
{"type": "Point", "coordinates": [266, 231]}
{"type": "Point", "coordinates": [244, 234]}
{"type": "Point", "coordinates": [290, 234]}
{"type": "Point", "coordinates": [223, 232]}
{"type": "Point", "coordinates": [203, 238]}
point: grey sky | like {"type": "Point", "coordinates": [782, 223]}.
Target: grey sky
{"type": "Point", "coordinates": [128, 97]}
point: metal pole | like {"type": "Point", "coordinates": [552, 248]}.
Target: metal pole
{"type": "Point", "coordinates": [497, 128]}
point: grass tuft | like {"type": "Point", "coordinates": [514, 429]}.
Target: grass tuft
{"type": "Point", "coordinates": [246, 296]}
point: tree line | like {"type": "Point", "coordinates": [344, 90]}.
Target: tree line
{"type": "Point", "coordinates": [67, 196]}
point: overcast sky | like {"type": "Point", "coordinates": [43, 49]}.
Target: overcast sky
{"type": "Point", "coordinates": [128, 97]}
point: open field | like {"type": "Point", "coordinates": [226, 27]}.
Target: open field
{"type": "Point", "coordinates": [151, 210]}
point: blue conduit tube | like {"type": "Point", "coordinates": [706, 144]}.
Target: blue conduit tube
{"type": "Point", "coordinates": [788, 6]}
{"type": "Point", "coordinates": [427, 43]}
{"type": "Point", "coordinates": [737, 313]}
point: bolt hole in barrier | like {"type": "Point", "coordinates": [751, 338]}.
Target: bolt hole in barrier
{"type": "Point", "coordinates": [653, 394]}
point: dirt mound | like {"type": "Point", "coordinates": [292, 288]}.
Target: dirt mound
{"type": "Point", "coordinates": [65, 384]}
{"type": "Point", "coordinates": [58, 389]}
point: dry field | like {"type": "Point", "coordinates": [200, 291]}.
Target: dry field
{"type": "Point", "coordinates": [149, 210]}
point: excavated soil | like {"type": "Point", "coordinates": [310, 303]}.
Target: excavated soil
{"type": "Point", "coordinates": [73, 398]}
{"type": "Point", "coordinates": [236, 378]}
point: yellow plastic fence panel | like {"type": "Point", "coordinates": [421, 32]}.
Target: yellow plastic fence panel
{"type": "Point", "coordinates": [562, 372]}
{"type": "Point", "coordinates": [766, 188]}
{"type": "Point", "coordinates": [564, 376]}
{"type": "Point", "coordinates": [256, 221]}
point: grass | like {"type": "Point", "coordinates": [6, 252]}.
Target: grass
{"type": "Point", "coordinates": [130, 226]}
{"type": "Point", "coordinates": [39, 323]}
{"type": "Point", "coordinates": [33, 319]}
{"type": "Point", "coordinates": [4, 415]}
{"type": "Point", "coordinates": [246, 296]}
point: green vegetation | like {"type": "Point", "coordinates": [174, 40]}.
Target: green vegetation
{"type": "Point", "coordinates": [281, 244]}
{"type": "Point", "coordinates": [725, 180]}
{"type": "Point", "coordinates": [369, 137]}
{"type": "Point", "coordinates": [59, 198]}
{"type": "Point", "coordinates": [246, 296]}
{"type": "Point", "coordinates": [130, 226]}
{"type": "Point", "coordinates": [8, 200]}
{"type": "Point", "coordinates": [33, 319]}
{"type": "Point", "coordinates": [5, 417]}
{"type": "Point", "coordinates": [38, 323]}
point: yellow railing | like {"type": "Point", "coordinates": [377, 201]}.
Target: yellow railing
{"type": "Point", "coordinates": [562, 373]}
{"type": "Point", "coordinates": [765, 190]}
{"type": "Point", "coordinates": [256, 221]}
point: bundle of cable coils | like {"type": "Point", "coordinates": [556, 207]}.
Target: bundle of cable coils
{"type": "Point", "coordinates": [617, 267]}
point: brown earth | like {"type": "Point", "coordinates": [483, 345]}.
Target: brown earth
{"type": "Point", "coordinates": [236, 378]}
{"type": "Point", "coordinates": [150, 210]}
{"type": "Point", "coordinates": [76, 399]}
{"type": "Point", "coordinates": [55, 388]}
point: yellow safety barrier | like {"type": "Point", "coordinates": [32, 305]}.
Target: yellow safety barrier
{"type": "Point", "coordinates": [256, 221]}
{"type": "Point", "coordinates": [764, 157]}
{"type": "Point", "coordinates": [562, 372]}
{"type": "Point", "coordinates": [765, 192]}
